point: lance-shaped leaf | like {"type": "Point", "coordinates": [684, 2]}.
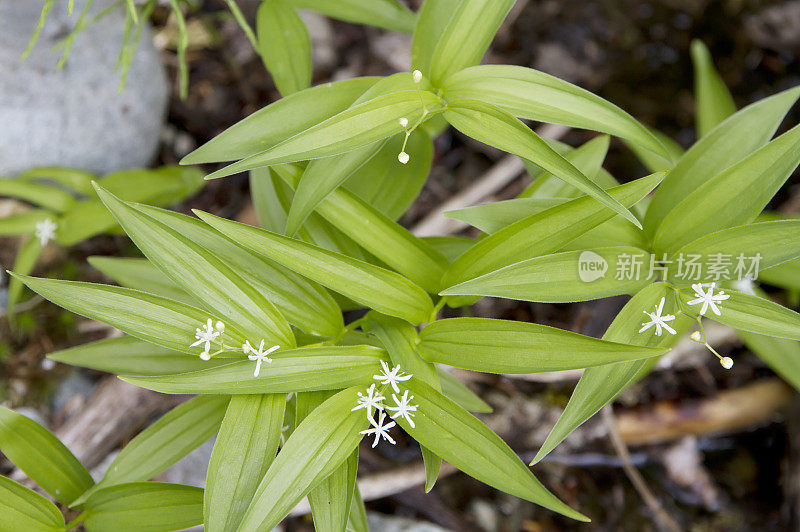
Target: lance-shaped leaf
{"type": "Point", "coordinates": [145, 507]}
{"type": "Point", "coordinates": [733, 197]}
{"type": "Point", "coordinates": [127, 355]}
{"type": "Point", "coordinates": [494, 216]}
{"type": "Point", "coordinates": [786, 275]}
{"type": "Point", "coordinates": [246, 446]}
{"type": "Point", "coordinates": [534, 95]}
{"type": "Point", "coordinates": [315, 449]}
{"type": "Point", "coordinates": [388, 186]}
{"type": "Point", "coordinates": [653, 162]}
{"type": "Point", "coordinates": [23, 223]}
{"type": "Point", "coordinates": [203, 275]}
{"type": "Point", "coordinates": [305, 304]}
{"type": "Point", "coordinates": [543, 232]}
{"type": "Point", "coordinates": [387, 240]}
{"type": "Point", "coordinates": [460, 394]}
{"type": "Point", "coordinates": [388, 14]}
{"type": "Point", "coordinates": [280, 120]}
{"type": "Point", "coordinates": [357, 520]}
{"type": "Point", "coordinates": [747, 312]}
{"type": "Point", "coordinates": [470, 29]}
{"type": "Point", "coordinates": [294, 370]}
{"type": "Point", "coordinates": [730, 142]}
{"type": "Point", "coordinates": [352, 128]}
{"type": "Point", "coordinates": [501, 346]}
{"type": "Point", "coordinates": [713, 100]}
{"type": "Point", "coordinates": [496, 127]}
{"type": "Point", "coordinates": [320, 178]}
{"type": "Point", "coordinates": [561, 277]}
{"type": "Point", "coordinates": [75, 179]}
{"type": "Point", "coordinates": [451, 247]}
{"type": "Point", "coordinates": [464, 441]}
{"type": "Point", "coordinates": [771, 243]}
{"type": "Point", "coordinates": [432, 20]}
{"type": "Point", "coordinates": [50, 198]}
{"type": "Point", "coordinates": [42, 457]}
{"type": "Point", "coordinates": [600, 385]}
{"type": "Point", "coordinates": [400, 339]}
{"type": "Point", "coordinates": [269, 208]}
{"type": "Point", "coordinates": [140, 274]}
{"type": "Point", "coordinates": [145, 316]}
{"type": "Point", "coordinates": [587, 158]}
{"type": "Point", "coordinates": [24, 509]}
{"type": "Point", "coordinates": [284, 45]}
{"type": "Point", "coordinates": [375, 287]}
{"type": "Point", "coordinates": [173, 436]}
{"type": "Point", "coordinates": [331, 498]}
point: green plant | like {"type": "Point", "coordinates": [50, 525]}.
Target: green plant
{"type": "Point", "coordinates": [68, 211]}
{"type": "Point", "coordinates": [250, 319]}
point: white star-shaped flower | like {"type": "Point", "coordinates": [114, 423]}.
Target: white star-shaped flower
{"type": "Point", "coordinates": [391, 376]}
{"type": "Point", "coordinates": [404, 408]}
{"type": "Point", "coordinates": [658, 320]}
{"type": "Point", "coordinates": [371, 400]}
{"type": "Point", "coordinates": [259, 355]}
{"type": "Point", "coordinates": [206, 336]}
{"type": "Point", "coordinates": [379, 429]}
{"type": "Point", "coordinates": [46, 231]}
{"type": "Point", "coordinates": [708, 299]}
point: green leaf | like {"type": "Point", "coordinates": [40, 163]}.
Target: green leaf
{"type": "Point", "coordinates": [588, 158]}
{"type": "Point", "coordinates": [42, 457]}
{"type": "Point", "coordinates": [284, 45]}
{"type": "Point", "coordinates": [388, 14]}
{"type": "Point", "coordinates": [315, 449]}
{"type": "Point", "coordinates": [653, 162]}
{"type": "Point", "coordinates": [267, 203]}
{"type": "Point", "coordinates": [464, 441]}
{"type": "Point", "coordinates": [786, 275]}
{"type": "Point", "coordinates": [357, 520]}
{"type": "Point", "coordinates": [23, 223]}
{"type": "Point", "coordinates": [543, 232]}
{"type": "Point", "coordinates": [470, 29]}
{"type": "Point", "coordinates": [127, 355]}
{"type": "Point", "coordinates": [773, 242]}
{"type": "Point", "coordinates": [748, 313]}
{"type": "Point", "coordinates": [432, 21]}
{"type": "Point", "coordinates": [713, 101]}
{"type": "Point", "coordinates": [400, 339]}
{"type": "Point", "coordinates": [280, 120]}
{"type": "Point", "coordinates": [305, 304]}
{"type": "Point", "coordinates": [45, 196]}
{"type": "Point", "coordinates": [561, 277]}
{"type": "Point", "coordinates": [245, 447]}
{"type": "Point", "coordinates": [600, 385]}
{"type": "Point", "coordinates": [496, 127]}
{"type": "Point", "coordinates": [390, 187]}
{"type": "Point", "coordinates": [534, 95]}
{"type": "Point", "coordinates": [460, 394]}
{"type": "Point", "coordinates": [140, 274]}
{"type": "Point", "coordinates": [729, 143]}
{"type": "Point", "coordinates": [75, 179]}
{"type": "Point", "coordinates": [24, 263]}
{"type": "Point", "coordinates": [501, 346]}
{"type": "Point", "coordinates": [494, 216]}
{"type": "Point", "coordinates": [294, 370]}
{"type": "Point", "coordinates": [357, 126]}
{"type": "Point", "coordinates": [173, 436]}
{"type": "Point", "coordinates": [145, 507]}
{"type": "Point", "coordinates": [150, 318]}
{"type": "Point", "coordinates": [733, 197]}
{"type": "Point", "coordinates": [320, 178]}
{"type": "Point", "coordinates": [202, 275]}
{"type": "Point", "coordinates": [450, 246]}
{"type": "Point", "coordinates": [331, 498]}
{"type": "Point", "coordinates": [24, 509]}
{"type": "Point", "coordinates": [375, 287]}
{"type": "Point", "coordinates": [387, 240]}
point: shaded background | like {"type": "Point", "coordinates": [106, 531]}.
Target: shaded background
{"type": "Point", "coordinates": [635, 54]}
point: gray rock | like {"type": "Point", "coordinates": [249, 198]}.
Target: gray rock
{"type": "Point", "coordinates": [392, 523]}
{"type": "Point", "coordinates": [75, 116]}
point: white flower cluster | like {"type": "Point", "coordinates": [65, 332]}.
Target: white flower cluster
{"type": "Point", "coordinates": [374, 400]}
{"type": "Point", "coordinates": [45, 231]}
{"type": "Point", "coordinates": [211, 334]}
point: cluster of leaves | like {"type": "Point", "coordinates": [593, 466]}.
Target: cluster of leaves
{"type": "Point", "coordinates": [328, 187]}
{"type": "Point", "coordinates": [281, 37]}
{"type": "Point", "coordinates": [68, 211]}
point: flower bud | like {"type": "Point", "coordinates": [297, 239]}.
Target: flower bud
{"type": "Point", "coordinates": [402, 157]}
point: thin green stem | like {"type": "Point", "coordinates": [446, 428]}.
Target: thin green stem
{"type": "Point", "coordinates": [75, 522]}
